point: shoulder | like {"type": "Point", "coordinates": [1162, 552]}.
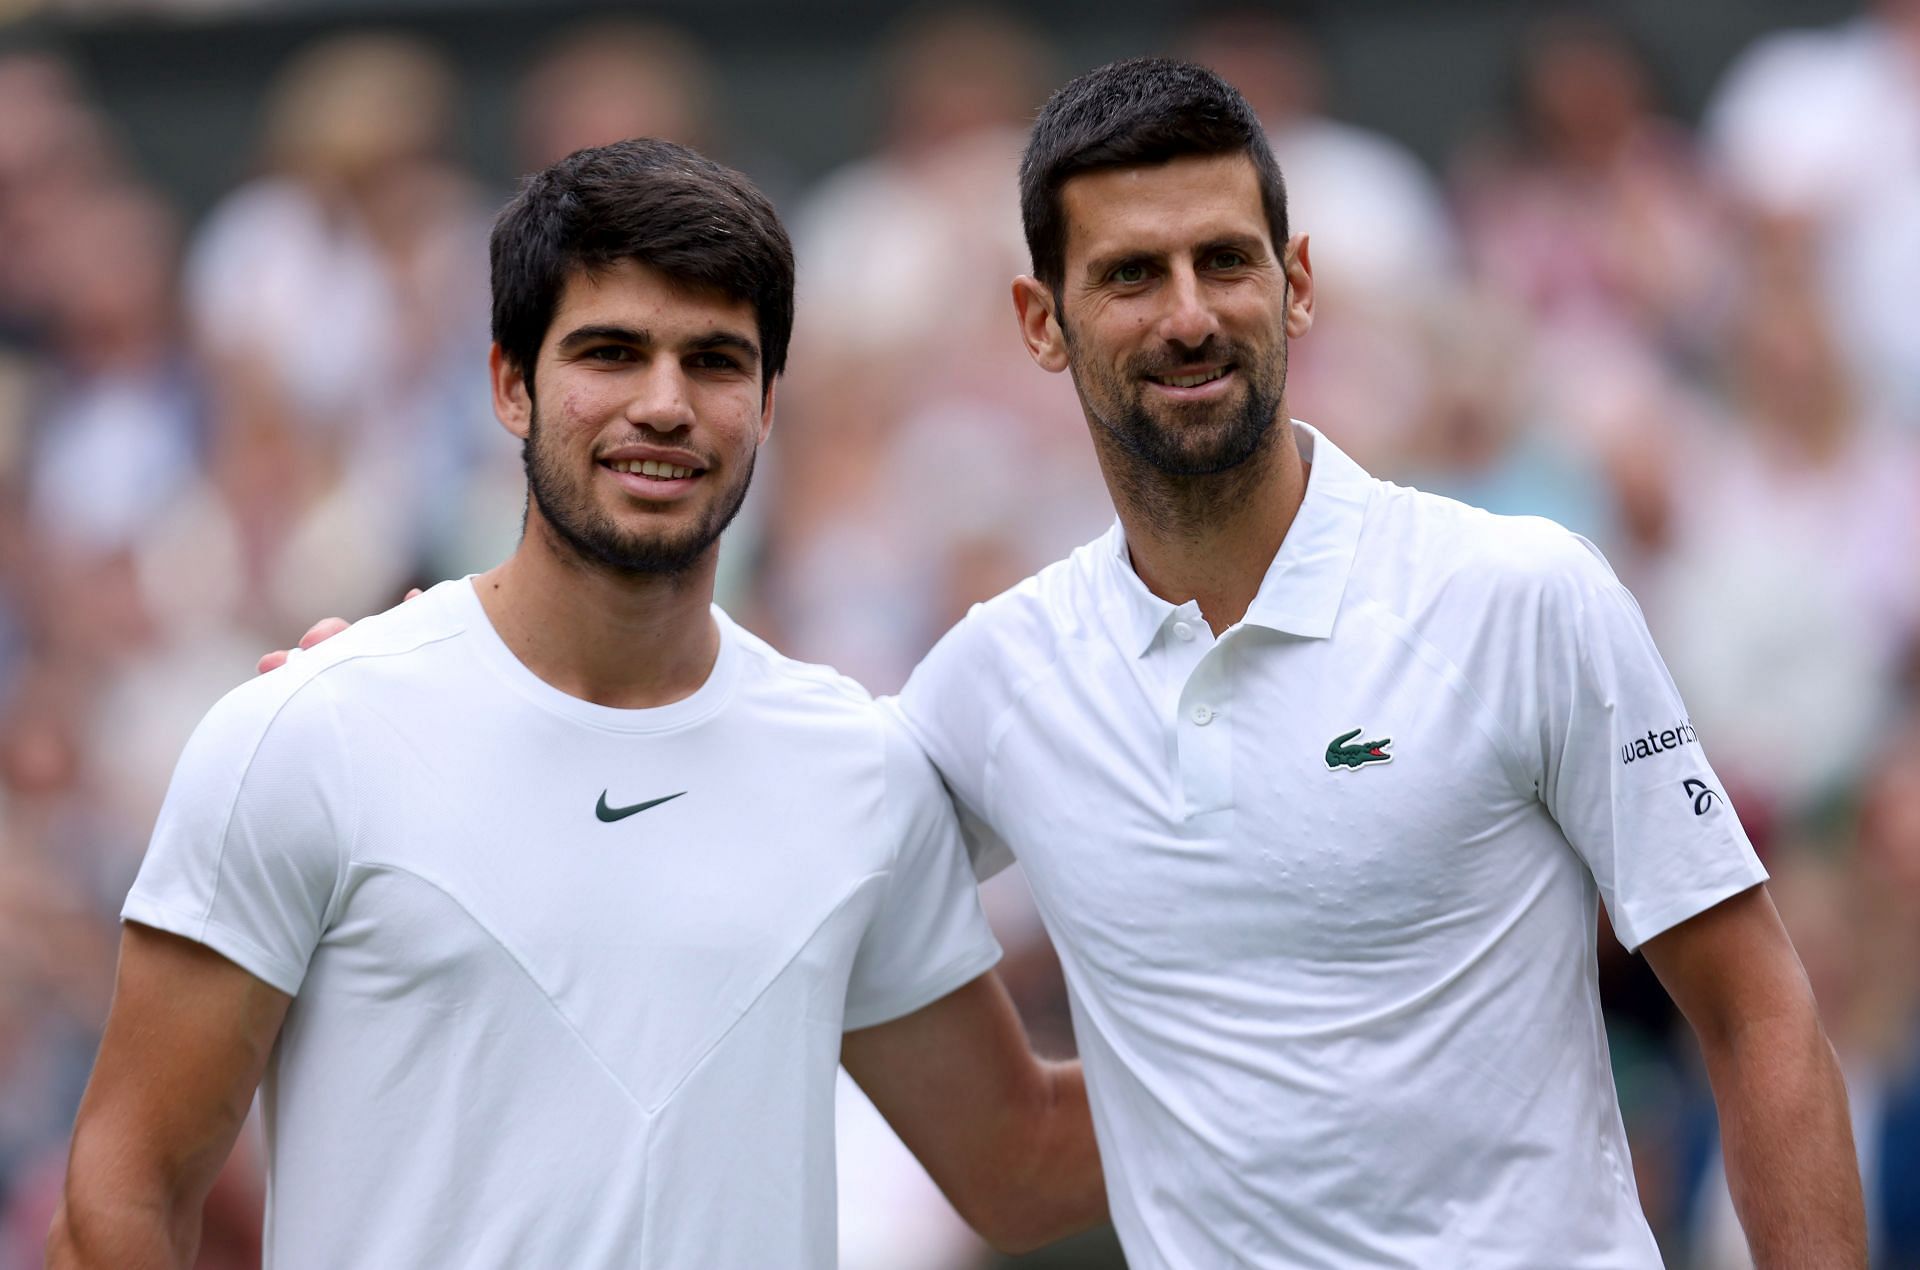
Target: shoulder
{"type": "Point", "coordinates": [1433, 542]}
{"type": "Point", "coordinates": [403, 633]}
{"type": "Point", "coordinates": [1459, 574]}
{"type": "Point", "coordinates": [807, 704]}
{"type": "Point", "coordinates": [773, 677]}
{"type": "Point", "coordinates": [1004, 645]}
{"type": "Point", "coordinates": [821, 702]}
{"type": "Point", "coordinates": [355, 665]}
{"type": "Point", "coordinates": [1031, 624]}
{"type": "Point", "coordinates": [1001, 649]}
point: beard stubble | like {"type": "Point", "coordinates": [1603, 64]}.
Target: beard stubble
{"type": "Point", "coordinates": [593, 539]}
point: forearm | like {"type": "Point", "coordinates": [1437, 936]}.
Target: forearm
{"type": "Point", "coordinates": [1788, 1145]}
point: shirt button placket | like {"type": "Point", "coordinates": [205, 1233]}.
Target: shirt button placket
{"type": "Point", "coordinates": [1206, 737]}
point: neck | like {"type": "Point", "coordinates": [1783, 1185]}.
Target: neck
{"type": "Point", "coordinates": [632, 641]}
{"type": "Point", "coordinates": [1212, 538]}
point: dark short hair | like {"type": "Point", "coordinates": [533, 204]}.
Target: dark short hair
{"type": "Point", "coordinates": [652, 201]}
{"type": "Point", "coordinates": [1141, 111]}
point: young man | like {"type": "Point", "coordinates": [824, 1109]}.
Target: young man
{"type": "Point", "coordinates": [542, 903]}
{"type": "Point", "coordinates": [1317, 781]}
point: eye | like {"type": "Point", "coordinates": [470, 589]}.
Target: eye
{"type": "Point", "coordinates": [1128, 274]}
{"type": "Point", "coordinates": [1226, 259]}
{"type": "Point", "coordinates": [610, 353]}
{"type": "Point", "coordinates": [714, 361]}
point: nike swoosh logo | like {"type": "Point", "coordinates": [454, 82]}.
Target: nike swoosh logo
{"type": "Point", "coordinates": [611, 814]}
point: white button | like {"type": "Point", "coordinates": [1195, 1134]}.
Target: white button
{"type": "Point", "coordinates": [1202, 715]}
{"type": "Point", "coordinates": [1184, 631]}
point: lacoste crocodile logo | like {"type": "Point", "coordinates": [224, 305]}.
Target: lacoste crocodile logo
{"type": "Point", "coordinates": [1344, 751]}
{"type": "Point", "coordinates": [611, 814]}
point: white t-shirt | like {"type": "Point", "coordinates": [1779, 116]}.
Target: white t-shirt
{"type": "Point", "coordinates": [569, 981]}
{"type": "Point", "coordinates": [1325, 888]}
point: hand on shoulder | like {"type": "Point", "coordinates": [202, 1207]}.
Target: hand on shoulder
{"type": "Point", "coordinates": [321, 631]}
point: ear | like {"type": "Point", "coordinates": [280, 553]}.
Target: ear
{"type": "Point", "coordinates": [1039, 327]}
{"type": "Point", "coordinates": [512, 401]}
{"type": "Point", "coordinates": [1299, 268]}
{"type": "Point", "coordinates": [766, 409]}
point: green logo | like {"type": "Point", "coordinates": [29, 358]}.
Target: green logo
{"type": "Point", "coordinates": [611, 814]}
{"type": "Point", "coordinates": [1342, 754]}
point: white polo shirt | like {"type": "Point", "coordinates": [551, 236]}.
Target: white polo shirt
{"type": "Point", "coordinates": [1325, 888]}
{"type": "Point", "coordinates": [569, 982]}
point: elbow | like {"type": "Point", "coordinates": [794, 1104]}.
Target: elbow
{"type": "Point", "coordinates": [107, 1221]}
{"type": "Point", "coordinates": [1017, 1217]}
{"type": "Point", "coordinates": [63, 1250]}
{"type": "Point", "coordinates": [74, 1242]}
{"type": "Point", "coordinates": [1011, 1233]}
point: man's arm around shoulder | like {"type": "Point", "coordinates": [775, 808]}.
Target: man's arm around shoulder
{"type": "Point", "coordinates": [186, 1041]}
{"type": "Point", "coordinates": [1007, 1136]}
{"type": "Point", "coordinates": [1784, 1129]}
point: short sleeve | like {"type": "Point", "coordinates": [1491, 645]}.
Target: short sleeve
{"type": "Point", "coordinates": [1622, 768]}
{"type": "Point", "coordinates": [246, 856]}
{"type": "Point", "coordinates": [929, 936]}
{"type": "Point", "coordinates": [947, 707]}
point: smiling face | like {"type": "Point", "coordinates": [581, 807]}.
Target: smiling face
{"type": "Point", "coordinates": [641, 427]}
{"type": "Point", "coordinates": [1173, 311]}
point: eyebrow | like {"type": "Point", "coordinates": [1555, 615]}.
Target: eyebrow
{"type": "Point", "coordinates": [1099, 267]}
{"type": "Point", "coordinates": [1251, 244]}
{"type": "Point", "coordinates": [744, 345]}
{"type": "Point", "coordinates": [639, 337]}
{"type": "Point", "coordinates": [606, 333]}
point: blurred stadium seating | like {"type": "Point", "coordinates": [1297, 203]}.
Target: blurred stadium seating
{"type": "Point", "coordinates": [1652, 279]}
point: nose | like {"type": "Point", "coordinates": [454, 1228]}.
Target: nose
{"type": "Point", "coordinates": [1187, 322]}
{"type": "Point", "coordinates": [661, 401]}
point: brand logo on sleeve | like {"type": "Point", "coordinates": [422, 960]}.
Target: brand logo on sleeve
{"type": "Point", "coordinates": [1702, 794]}
{"type": "Point", "coordinates": [611, 814]}
{"type": "Point", "coordinates": [1344, 751]}
{"type": "Point", "coordinates": [1654, 743]}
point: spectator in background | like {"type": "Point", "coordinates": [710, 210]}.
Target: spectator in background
{"type": "Point", "coordinates": [335, 299]}
{"type": "Point", "coordinates": [1592, 212]}
{"type": "Point", "coordinates": [1787, 596]}
{"type": "Point", "coordinates": [117, 422]}
{"type": "Point", "coordinates": [55, 160]}
{"type": "Point", "coordinates": [1887, 880]}
{"type": "Point", "coordinates": [609, 79]}
{"type": "Point", "coordinates": [1589, 214]}
{"type": "Point", "coordinates": [911, 407]}
{"type": "Point", "coordinates": [1822, 128]}
{"type": "Point", "coordinates": [1488, 438]}
{"type": "Point", "coordinates": [54, 151]}
{"type": "Point", "coordinates": [1384, 256]}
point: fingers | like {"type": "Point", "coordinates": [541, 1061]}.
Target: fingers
{"type": "Point", "coordinates": [324, 629]}
{"type": "Point", "coordinates": [415, 593]}
{"type": "Point", "coordinates": [321, 631]}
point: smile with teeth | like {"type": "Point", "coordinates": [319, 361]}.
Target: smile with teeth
{"type": "Point", "coordinates": [651, 467]}
{"type": "Point", "coordinates": [1191, 381]}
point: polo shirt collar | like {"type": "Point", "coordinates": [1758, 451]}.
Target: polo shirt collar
{"type": "Point", "coordinates": [1300, 594]}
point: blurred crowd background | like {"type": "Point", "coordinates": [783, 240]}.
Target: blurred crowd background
{"type": "Point", "coordinates": [1682, 323]}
